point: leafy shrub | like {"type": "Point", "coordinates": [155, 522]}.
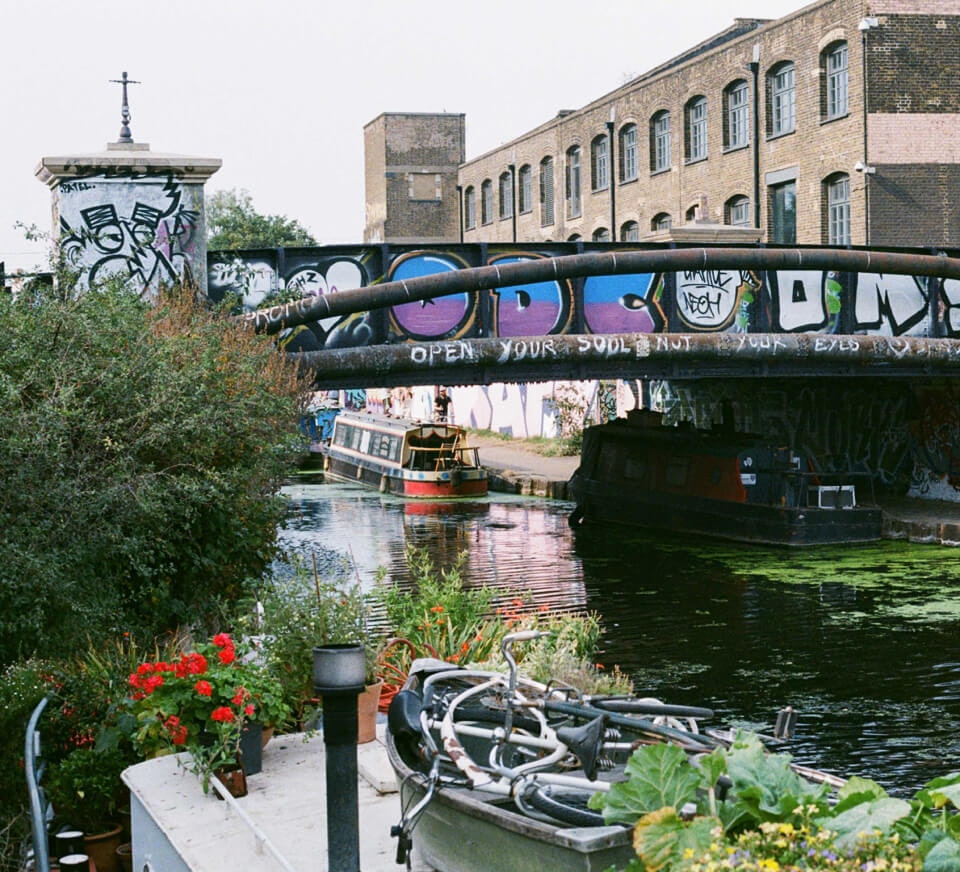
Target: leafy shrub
{"type": "Point", "coordinates": [140, 459]}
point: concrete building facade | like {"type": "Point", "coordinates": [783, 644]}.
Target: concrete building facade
{"type": "Point", "coordinates": [838, 124]}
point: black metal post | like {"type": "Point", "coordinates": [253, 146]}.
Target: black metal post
{"type": "Point", "coordinates": [513, 199]}
{"type": "Point", "coordinates": [338, 677]}
{"type": "Point", "coordinates": [754, 67]}
{"type": "Point", "coordinates": [611, 178]}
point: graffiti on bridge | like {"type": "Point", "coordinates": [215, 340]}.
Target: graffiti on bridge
{"type": "Point", "coordinates": [696, 301]}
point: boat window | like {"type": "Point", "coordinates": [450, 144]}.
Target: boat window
{"type": "Point", "coordinates": [365, 442]}
{"type": "Point", "coordinates": [635, 468]}
{"type": "Point", "coordinates": [676, 471]}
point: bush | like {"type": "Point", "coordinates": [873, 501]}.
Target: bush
{"type": "Point", "coordinates": [140, 462]}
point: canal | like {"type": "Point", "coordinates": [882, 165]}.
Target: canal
{"type": "Point", "coordinates": [864, 642]}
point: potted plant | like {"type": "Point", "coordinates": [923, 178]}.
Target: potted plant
{"type": "Point", "coordinates": [86, 792]}
{"type": "Point", "coordinates": [299, 612]}
{"type": "Point", "coordinates": [200, 703]}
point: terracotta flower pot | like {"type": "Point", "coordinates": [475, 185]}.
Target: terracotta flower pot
{"type": "Point", "coordinates": [102, 849]}
{"type": "Point", "coordinates": [367, 705]}
{"type": "Point", "coordinates": [234, 779]}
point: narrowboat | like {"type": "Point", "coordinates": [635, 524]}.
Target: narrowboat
{"type": "Point", "coordinates": [420, 459]}
{"type": "Point", "coordinates": [716, 483]}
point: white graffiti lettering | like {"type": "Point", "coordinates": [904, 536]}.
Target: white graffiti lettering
{"type": "Point", "coordinates": [443, 353]}
{"type": "Point", "coordinates": [512, 349]}
{"type": "Point", "coordinates": [673, 343]}
{"type": "Point", "coordinates": [830, 343]}
{"type": "Point", "coordinates": [605, 346]}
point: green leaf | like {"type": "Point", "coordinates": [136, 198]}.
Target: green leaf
{"type": "Point", "coordinates": [663, 840]}
{"type": "Point", "coordinates": [943, 857]}
{"type": "Point", "coordinates": [866, 817]}
{"type": "Point", "coordinates": [658, 775]}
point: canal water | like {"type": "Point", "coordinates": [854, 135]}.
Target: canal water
{"type": "Point", "coordinates": [864, 642]}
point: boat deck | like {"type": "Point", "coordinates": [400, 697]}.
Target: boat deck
{"type": "Point", "coordinates": [279, 825]}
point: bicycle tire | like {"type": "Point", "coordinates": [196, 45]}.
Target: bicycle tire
{"type": "Point", "coordinates": [563, 806]}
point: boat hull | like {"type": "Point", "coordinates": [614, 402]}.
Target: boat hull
{"type": "Point", "coordinates": [465, 830]}
{"type": "Point", "coordinates": [444, 485]}
{"type": "Point", "coordinates": [722, 485]}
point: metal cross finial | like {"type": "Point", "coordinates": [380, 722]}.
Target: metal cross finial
{"type": "Point", "coordinates": [125, 114]}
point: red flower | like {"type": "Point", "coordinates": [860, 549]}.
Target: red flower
{"type": "Point", "coordinates": [224, 714]}
{"type": "Point", "coordinates": [152, 683]}
{"type": "Point", "coordinates": [223, 640]}
{"type": "Point", "coordinates": [204, 688]}
{"type": "Point", "coordinates": [192, 663]}
{"type": "Point", "coordinates": [227, 655]}
{"type": "Point", "coordinates": [239, 695]}
{"type": "Point", "coordinates": [176, 730]}
{"type": "Point", "coordinates": [250, 709]}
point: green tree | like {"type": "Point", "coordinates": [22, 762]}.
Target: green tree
{"type": "Point", "coordinates": [233, 224]}
{"type": "Point", "coordinates": [141, 454]}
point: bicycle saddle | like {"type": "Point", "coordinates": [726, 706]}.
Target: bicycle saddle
{"type": "Point", "coordinates": [585, 743]}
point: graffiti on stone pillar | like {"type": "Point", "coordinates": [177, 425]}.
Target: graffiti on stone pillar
{"type": "Point", "coordinates": [145, 230]}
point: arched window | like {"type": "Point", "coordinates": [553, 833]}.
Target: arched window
{"type": "Point", "coordinates": [695, 122]}
{"type": "Point", "coordinates": [574, 193]}
{"type": "Point", "coordinates": [628, 153]}
{"type": "Point", "coordinates": [506, 195]}
{"type": "Point", "coordinates": [834, 96]}
{"type": "Point", "coordinates": [837, 197]}
{"type": "Point", "coordinates": [600, 163]}
{"type": "Point", "coordinates": [736, 115]}
{"type": "Point", "coordinates": [630, 232]}
{"type": "Point", "coordinates": [736, 211]}
{"type": "Point", "coordinates": [781, 99]}
{"type": "Point", "coordinates": [574, 237]}
{"type": "Point", "coordinates": [486, 201]}
{"type": "Point", "coordinates": [601, 234]}
{"type": "Point", "coordinates": [525, 192]}
{"type": "Point", "coordinates": [660, 142]}
{"type": "Point", "coordinates": [470, 208]}
{"type": "Point", "coordinates": [546, 192]}
{"type": "Point", "coordinates": [661, 221]}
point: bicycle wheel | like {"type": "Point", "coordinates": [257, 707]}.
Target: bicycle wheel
{"type": "Point", "coordinates": [563, 804]}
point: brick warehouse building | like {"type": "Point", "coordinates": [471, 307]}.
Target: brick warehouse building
{"type": "Point", "coordinates": [841, 122]}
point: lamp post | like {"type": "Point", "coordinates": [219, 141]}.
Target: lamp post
{"type": "Point", "coordinates": [338, 672]}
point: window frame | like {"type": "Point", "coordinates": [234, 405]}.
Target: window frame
{"type": "Point", "coordinates": [661, 221]}
{"type": "Point", "coordinates": [547, 192]}
{"type": "Point", "coordinates": [660, 142]}
{"type": "Point", "coordinates": [630, 231]}
{"type": "Point", "coordinates": [738, 202]}
{"type": "Point", "coordinates": [695, 122]}
{"type": "Point", "coordinates": [629, 163]}
{"type": "Point", "coordinates": [486, 202]}
{"type": "Point", "coordinates": [573, 182]}
{"type": "Point", "coordinates": [836, 77]}
{"type": "Point", "coordinates": [736, 116]}
{"type": "Point", "coordinates": [525, 190]}
{"type": "Point", "coordinates": [782, 99]}
{"type": "Point", "coordinates": [470, 208]}
{"type": "Point", "coordinates": [837, 200]}
{"type": "Point", "coordinates": [601, 234]}
{"type": "Point", "coordinates": [600, 163]}
{"type": "Point", "coordinates": [505, 183]}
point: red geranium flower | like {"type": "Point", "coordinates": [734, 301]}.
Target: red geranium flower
{"type": "Point", "coordinates": [223, 714]}
{"type": "Point", "coordinates": [204, 688]}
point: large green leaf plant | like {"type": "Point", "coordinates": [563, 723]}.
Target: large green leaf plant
{"type": "Point", "coordinates": [744, 807]}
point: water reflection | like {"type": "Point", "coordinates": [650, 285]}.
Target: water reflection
{"type": "Point", "coordinates": [862, 641]}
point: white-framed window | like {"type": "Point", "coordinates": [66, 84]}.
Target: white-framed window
{"type": "Point", "coordinates": [783, 100]}
{"type": "Point", "coordinates": [525, 192]}
{"type": "Point", "coordinates": [660, 142]}
{"type": "Point", "coordinates": [546, 192]}
{"type": "Point", "coordinates": [737, 102]}
{"type": "Point", "coordinates": [737, 211]}
{"type": "Point", "coordinates": [630, 232]}
{"type": "Point", "coordinates": [629, 166]}
{"type": "Point", "coordinates": [601, 234]}
{"type": "Point", "coordinates": [600, 163]}
{"type": "Point", "coordinates": [574, 194]}
{"type": "Point", "coordinates": [470, 208]}
{"type": "Point", "coordinates": [486, 201]}
{"type": "Point", "coordinates": [838, 210]}
{"type": "Point", "coordinates": [696, 123]}
{"type": "Point", "coordinates": [837, 81]}
{"type": "Point", "coordinates": [506, 195]}
{"type": "Point", "coordinates": [661, 221]}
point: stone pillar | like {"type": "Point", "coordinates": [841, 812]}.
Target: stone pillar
{"type": "Point", "coordinates": [130, 212]}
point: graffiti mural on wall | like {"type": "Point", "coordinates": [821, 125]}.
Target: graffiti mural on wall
{"type": "Point", "coordinates": [143, 228]}
{"type": "Point", "coordinates": [737, 301]}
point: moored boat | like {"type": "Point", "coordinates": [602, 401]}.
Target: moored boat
{"type": "Point", "coordinates": [421, 459]}
{"type": "Point", "coordinates": [716, 483]}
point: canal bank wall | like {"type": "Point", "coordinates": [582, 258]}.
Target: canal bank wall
{"type": "Point", "coordinates": [515, 468]}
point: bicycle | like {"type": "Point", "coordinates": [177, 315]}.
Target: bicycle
{"type": "Point", "coordinates": [543, 748]}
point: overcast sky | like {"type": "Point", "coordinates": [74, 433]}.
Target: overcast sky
{"type": "Point", "coordinates": [280, 90]}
